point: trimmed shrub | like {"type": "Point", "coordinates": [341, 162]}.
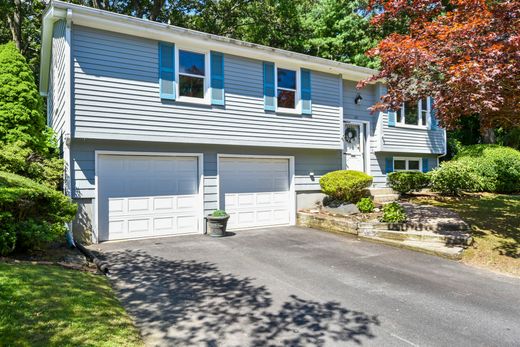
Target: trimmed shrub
{"type": "Point", "coordinates": [19, 159]}
{"type": "Point", "coordinates": [32, 214]}
{"type": "Point", "coordinates": [345, 185]}
{"type": "Point", "coordinates": [405, 182]}
{"type": "Point", "coordinates": [497, 167]}
{"type": "Point", "coordinates": [453, 177]}
{"type": "Point", "coordinates": [393, 213]}
{"type": "Point", "coordinates": [365, 205]}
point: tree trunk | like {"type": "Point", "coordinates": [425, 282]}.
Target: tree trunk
{"type": "Point", "coordinates": [156, 9]}
{"type": "Point", "coordinates": [488, 136]}
{"type": "Point", "coordinates": [15, 24]}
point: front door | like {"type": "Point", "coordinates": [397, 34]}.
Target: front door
{"type": "Point", "coordinates": [353, 142]}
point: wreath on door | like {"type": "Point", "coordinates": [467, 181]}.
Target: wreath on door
{"type": "Point", "coordinates": [350, 134]}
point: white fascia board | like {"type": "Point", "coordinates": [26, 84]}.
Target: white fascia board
{"type": "Point", "coordinates": [124, 24]}
{"type": "Point", "coordinates": [51, 15]}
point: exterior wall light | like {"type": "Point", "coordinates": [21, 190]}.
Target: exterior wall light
{"type": "Point", "coordinates": [358, 99]}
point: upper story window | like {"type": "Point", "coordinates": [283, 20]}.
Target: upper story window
{"type": "Point", "coordinates": [286, 90]}
{"type": "Point", "coordinates": [415, 114]}
{"type": "Point", "coordinates": [192, 74]}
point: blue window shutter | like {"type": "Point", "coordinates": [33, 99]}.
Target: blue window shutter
{"type": "Point", "coordinates": [434, 125]}
{"type": "Point", "coordinates": [217, 78]}
{"type": "Point", "coordinates": [269, 92]}
{"type": "Point", "coordinates": [391, 118]}
{"type": "Point", "coordinates": [306, 91]}
{"type": "Point", "coordinates": [389, 165]}
{"type": "Point", "coordinates": [167, 70]}
{"type": "Point", "coordinates": [424, 164]}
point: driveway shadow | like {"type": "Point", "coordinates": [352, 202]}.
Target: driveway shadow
{"type": "Point", "coordinates": [191, 303]}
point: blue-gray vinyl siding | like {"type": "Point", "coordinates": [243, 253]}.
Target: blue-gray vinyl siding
{"type": "Point", "coordinates": [306, 161]}
{"type": "Point", "coordinates": [56, 109]}
{"type": "Point", "coordinates": [410, 140]}
{"type": "Point", "coordinates": [116, 96]}
{"type": "Point", "coordinates": [395, 142]}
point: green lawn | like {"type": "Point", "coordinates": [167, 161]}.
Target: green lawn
{"type": "Point", "coordinates": [46, 305]}
{"type": "Point", "coordinates": [495, 221]}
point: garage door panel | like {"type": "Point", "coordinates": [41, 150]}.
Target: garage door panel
{"type": "Point", "coordinates": [148, 196]}
{"type": "Point", "coordinates": [255, 192]}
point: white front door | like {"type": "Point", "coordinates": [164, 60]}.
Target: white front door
{"type": "Point", "coordinates": [146, 196]}
{"type": "Point", "coordinates": [255, 191]}
{"type": "Point", "coordinates": [353, 144]}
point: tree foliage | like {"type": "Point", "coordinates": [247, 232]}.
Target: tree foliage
{"type": "Point", "coordinates": [463, 53]}
{"type": "Point", "coordinates": [28, 147]}
{"type": "Point", "coordinates": [340, 30]}
{"type": "Point", "coordinates": [332, 29]}
{"type": "Point", "coordinates": [21, 107]}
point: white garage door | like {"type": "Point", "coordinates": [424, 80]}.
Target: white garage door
{"type": "Point", "coordinates": [145, 196]}
{"type": "Point", "coordinates": [255, 192]}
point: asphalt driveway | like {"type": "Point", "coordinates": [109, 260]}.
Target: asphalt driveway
{"type": "Point", "coordinates": [301, 287]}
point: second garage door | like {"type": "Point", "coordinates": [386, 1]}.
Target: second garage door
{"type": "Point", "coordinates": [255, 191]}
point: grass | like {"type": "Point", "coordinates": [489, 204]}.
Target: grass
{"type": "Point", "coordinates": [495, 221]}
{"type": "Point", "coordinates": [47, 305]}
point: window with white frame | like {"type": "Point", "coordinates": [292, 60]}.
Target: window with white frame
{"type": "Point", "coordinates": [192, 74]}
{"type": "Point", "coordinates": [407, 164]}
{"type": "Point", "coordinates": [417, 114]}
{"type": "Point", "coordinates": [286, 88]}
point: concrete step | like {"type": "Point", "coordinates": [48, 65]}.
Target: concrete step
{"type": "Point", "coordinates": [383, 199]}
{"type": "Point", "coordinates": [450, 252]}
{"type": "Point", "coordinates": [381, 191]}
{"type": "Point", "coordinates": [443, 239]}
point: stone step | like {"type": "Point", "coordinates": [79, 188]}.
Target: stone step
{"type": "Point", "coordinates": [386, 198]}
{"type": "Point", "coordinates": [444, 239]}
{"type": "Point", "coordinates": [451, 252]}
{"type": "Point", "coordinates": [381, 191]}
{"type": "Point", "coordinates": [437, 227]}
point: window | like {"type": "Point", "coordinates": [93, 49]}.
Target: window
{"type": "Point", "coordinates": [286, 88]}
{"type": "Point", "coordinates": [407, 164]}
{"type": "Point", "coordinates": [415, 114]}
{"type": "Point", "coordinates": [192, 74]}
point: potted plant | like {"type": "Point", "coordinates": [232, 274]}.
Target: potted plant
{"type": "Point", "coordinates": [217, 223]}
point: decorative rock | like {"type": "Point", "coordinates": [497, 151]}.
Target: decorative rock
{"type": "Point", "coordinates": [343, 209]}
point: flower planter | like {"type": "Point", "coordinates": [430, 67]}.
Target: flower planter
{"type": "Point", "coordinates": [217, 225]}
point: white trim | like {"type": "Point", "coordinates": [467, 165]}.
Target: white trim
{"type": "Point", "coordinates": [228, 140]}
{"type": "Point", "coordinates": [402, 112]}
{"type": "Point", "coordinates": [109, 21]}
{"type": "Point", "coordinates": [341, 123]}
{"type": "Point", "coordinates": [292, 183]}
{"type": "Point", "coordinates": [207, 75]}
{"type": "Point", "coordinates": [407, 163]}
{"type": "Point", "coordinates": [200, 168]}
{"type": "Point", "coordinates": [366, 145]}
{"type": "Point", "coordinates": [297, 93]}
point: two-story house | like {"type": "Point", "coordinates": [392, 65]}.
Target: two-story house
{"type": "Point", "coordinates": [161, 125]}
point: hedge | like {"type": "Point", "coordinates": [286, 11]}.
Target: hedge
{"type": "Point", "coordinates": [32, 214]}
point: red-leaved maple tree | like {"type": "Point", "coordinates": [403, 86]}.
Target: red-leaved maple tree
{"type": "Point", "coordinates": [463, 53]}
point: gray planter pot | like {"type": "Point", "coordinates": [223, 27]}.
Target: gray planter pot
{"type": "Point", "coordinates": [217, 225]}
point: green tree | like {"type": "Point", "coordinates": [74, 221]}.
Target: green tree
{"type": "Point", "coordinates": [28, 147]}
{"type": "Point", "coordinates": [21, 23]}
{"type": "Point", "coordinates": [340, 30]}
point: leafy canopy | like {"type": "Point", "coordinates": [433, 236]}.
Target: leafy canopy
{"type": "Point", "coordinates": [463, 53]}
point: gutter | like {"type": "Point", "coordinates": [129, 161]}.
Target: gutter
{"type": "Point", "coordinates": [52, 14]}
